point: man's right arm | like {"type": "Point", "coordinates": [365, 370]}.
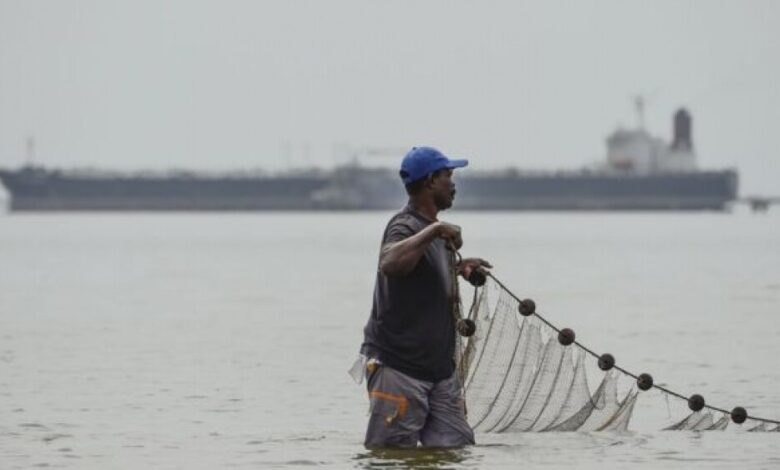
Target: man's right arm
{"type": "Point", "coordinates": [399, 258]}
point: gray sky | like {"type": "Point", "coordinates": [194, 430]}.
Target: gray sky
{"type": "Point", "coordinates": [275, 84]}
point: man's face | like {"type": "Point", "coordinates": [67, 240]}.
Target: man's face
{"type": "Point", "coordinates": [443, 189]}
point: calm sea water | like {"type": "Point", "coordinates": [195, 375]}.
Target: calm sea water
{"type": "Point", "coordinates": [222, 340]}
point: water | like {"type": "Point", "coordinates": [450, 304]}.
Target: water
{"type": "Point", "coordinates": [223, 340]}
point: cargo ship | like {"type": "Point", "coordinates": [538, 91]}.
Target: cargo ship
{"type": "Point", "coordinates": [641, 172]}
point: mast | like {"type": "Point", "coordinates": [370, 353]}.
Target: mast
{"type": "Point", "coordinates": [30, 150]}
{"type": "Point", "coordinates": [639, 105]}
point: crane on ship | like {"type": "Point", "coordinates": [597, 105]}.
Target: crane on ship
{"type": "Point", "coordinates": [355, 186]}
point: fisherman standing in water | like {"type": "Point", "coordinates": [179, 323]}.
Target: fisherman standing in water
{"type": "Point", "coordinates": [410, 336]}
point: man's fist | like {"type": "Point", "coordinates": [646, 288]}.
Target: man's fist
{"type": "Point", "coordinates": [451, 233]}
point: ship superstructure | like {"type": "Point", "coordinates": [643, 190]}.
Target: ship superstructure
{"type": "Point", "coordinates": [636, 151]}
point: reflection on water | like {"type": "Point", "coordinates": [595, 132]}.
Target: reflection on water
{"type": "Point", "coordinates": [422, 459]}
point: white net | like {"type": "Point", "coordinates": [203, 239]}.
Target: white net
{"type": "Point", "coordinates": [518, 377]}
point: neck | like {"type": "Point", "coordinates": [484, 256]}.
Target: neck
{"type": "Point", "coordinates": [425, 207]}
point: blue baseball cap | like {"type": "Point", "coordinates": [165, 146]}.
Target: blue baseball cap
{"type": "Point", "coordinates": [422, 161]}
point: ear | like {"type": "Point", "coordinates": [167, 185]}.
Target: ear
{"type": "Point", "coordinates": [429, 181]}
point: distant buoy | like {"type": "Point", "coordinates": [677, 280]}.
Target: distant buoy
{"type": "Point", "coordinates": [606, 361]}
{"type": "Point", "coordinates": [739, 415]}
{"type": "Point", "coordinates": [466, 327]}
{"type": "Point", "coordinates": [644, 381]}
{"type": "Point", "coordinates": [527, 307]}
{"type": "Point", "coordinates": [696, 402]}
{"type": "Point", "coordinates": [566, 336]}
{"type": "Point", "coordinates": [477, 278]}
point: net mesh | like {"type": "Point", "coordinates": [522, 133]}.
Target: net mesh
{"type": "Point", "coordinates": [518, 377]}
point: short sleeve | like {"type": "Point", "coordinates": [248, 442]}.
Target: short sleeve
{"type": "Point", "coordinates": [398, 229]}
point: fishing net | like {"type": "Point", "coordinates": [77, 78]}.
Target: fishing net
{"type": "Point", "coordinates": [520, 373]}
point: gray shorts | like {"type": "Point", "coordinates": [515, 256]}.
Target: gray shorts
{"type": "Point", "coordinates": [405, 411]}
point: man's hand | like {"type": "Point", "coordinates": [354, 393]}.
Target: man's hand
{"type": "Point", "coordinates": [450, 233]}
{"type": "Point", "coordinates": [470, 264]}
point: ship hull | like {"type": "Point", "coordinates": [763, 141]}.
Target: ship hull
{"type": "Point", "coordinates": [712, 190]}
{"type": "Point", "coordinates": [51, 191]}
{"type": "Point", "coordinates": [42, 190]}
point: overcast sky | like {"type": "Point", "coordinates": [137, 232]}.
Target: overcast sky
{"type": "Point", "coordinates": [223, 85]}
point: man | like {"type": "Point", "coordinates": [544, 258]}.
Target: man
{"type": "Point", "coordinates": [410, 336]}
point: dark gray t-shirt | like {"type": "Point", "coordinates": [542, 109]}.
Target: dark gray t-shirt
{"type": "Point", "coordinates": [411, 327]}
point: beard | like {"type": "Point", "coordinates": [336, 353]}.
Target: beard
{"type": "Point", "coordinates": [444, 201]}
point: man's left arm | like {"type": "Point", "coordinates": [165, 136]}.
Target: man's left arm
{"type": "Point", "coordinates": [467, 265]}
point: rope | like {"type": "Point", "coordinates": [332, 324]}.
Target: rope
{"type": "Point", "coordinates": [455, 259]}
{"type": "Point", "coordinates": [461, 359]}
{"type": "Point", "coordinates": [624, 371]}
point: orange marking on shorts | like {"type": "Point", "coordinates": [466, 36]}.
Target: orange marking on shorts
{"type": "Point", "coordinates": [400, 400]}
